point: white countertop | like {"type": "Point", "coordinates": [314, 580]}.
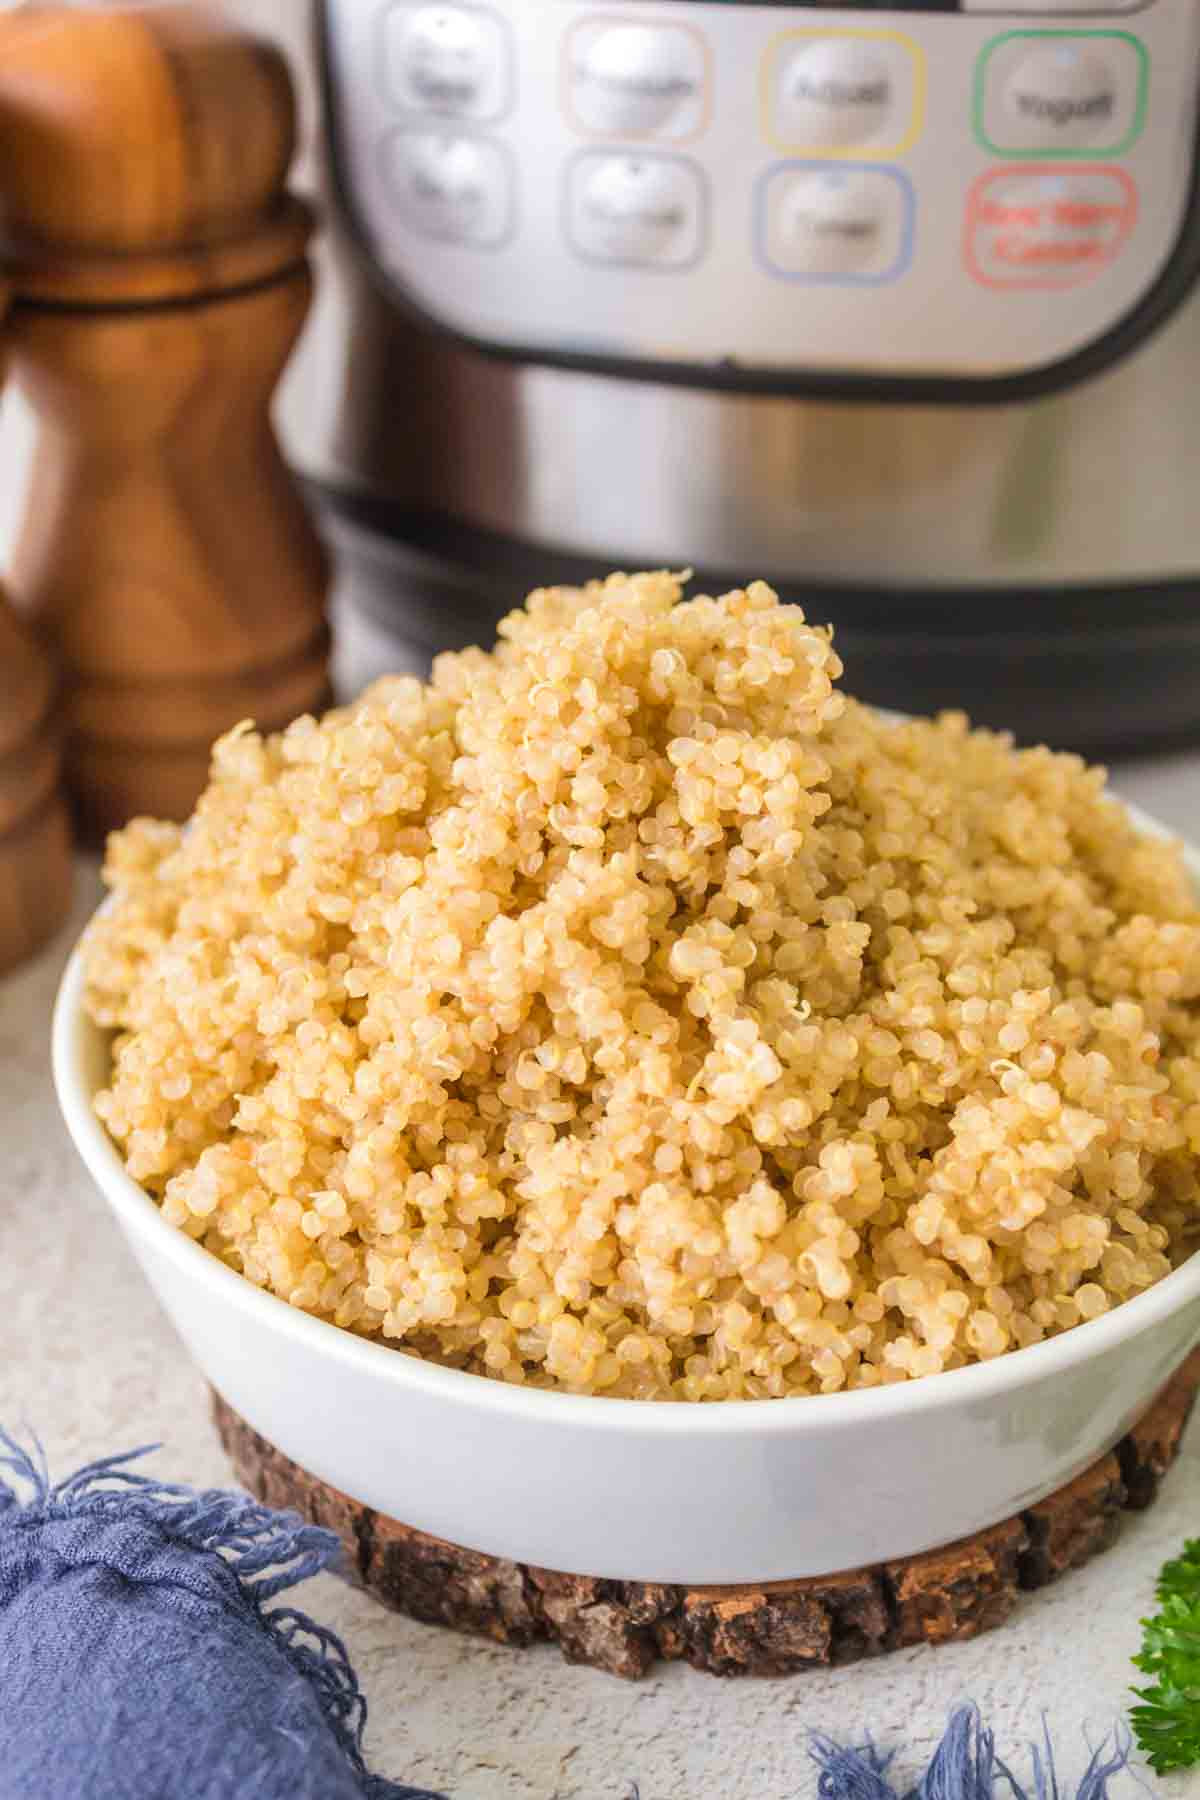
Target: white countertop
{"type": "Point", "coordinates": [88, 1361]}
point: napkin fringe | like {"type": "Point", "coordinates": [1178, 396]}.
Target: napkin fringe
{"type": "Point", "coordinates": [965, 1766]}
{"type": "Point", "coordinates": [271, 1551]}
{"type": "Point", "coordinates": [268, 1551]}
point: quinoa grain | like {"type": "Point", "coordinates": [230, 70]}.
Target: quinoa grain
{"type": "Point", "coordinates": [628, 1011]}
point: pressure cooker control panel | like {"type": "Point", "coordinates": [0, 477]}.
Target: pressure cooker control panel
{"type": "Point", "coordinates": [964, 191]}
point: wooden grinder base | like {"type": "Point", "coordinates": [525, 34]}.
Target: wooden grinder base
{"type": "Point", "coordinates": [775, 1628]}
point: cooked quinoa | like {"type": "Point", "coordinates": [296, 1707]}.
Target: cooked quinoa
{"type": "Point", "coordinates": [630, 1012]}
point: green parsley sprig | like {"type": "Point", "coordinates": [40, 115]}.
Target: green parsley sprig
{"type": "Point", "coordinates": [1167, 1723]}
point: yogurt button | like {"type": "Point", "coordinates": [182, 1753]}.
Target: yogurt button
{"type": "Point", "coordinates": [1061, 95]}
{"type": "Point", "coordinates": [833, 93]}
{"type": "Point", "coordinates": [633, 79]}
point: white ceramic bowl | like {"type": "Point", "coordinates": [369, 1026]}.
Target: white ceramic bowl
{"type": "Point", "coordinates": [745, 1491]}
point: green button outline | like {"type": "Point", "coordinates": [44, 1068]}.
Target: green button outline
{"type": "Point", "coordinates": [1085, 152]}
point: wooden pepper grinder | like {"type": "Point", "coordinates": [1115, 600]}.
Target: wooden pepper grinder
{"type": "Point", "coordinates": [161, 280]}
{"type": "Point", "coordinates": [35, 836]}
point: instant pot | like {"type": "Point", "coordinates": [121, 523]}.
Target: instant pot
{"type": "Point", "coordinates": [894, 306]}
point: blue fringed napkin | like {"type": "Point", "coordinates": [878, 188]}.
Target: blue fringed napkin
{"type": "Point", "coordinates": [139, 1659]}
{"type": "Point", "coordinates": [965, 1766]}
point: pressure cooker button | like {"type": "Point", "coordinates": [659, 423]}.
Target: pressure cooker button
{"type": "Point", "coordinates": [1047, 93]}
{"type": "Point", "coordinates": [832, 224]}
{"type": "Point", "coordinates": [446, 59]}
{"type": "Point", "coordinates": [636, 80]}
{"type": "Point", "coordinates": [1047, 228]}
{"type": "Point", "coordinates": [829, 92]}
{"type": "Point", "coordinates": [1061, 96]}
{"type": "Point", "coordinates": [836, 224]}
{"type": "Point", "coordinates": [834, 92]}
{"type": "Point", "coordinates": [646, 210]}
{"type": "Point", "coordinates": [455, 188]}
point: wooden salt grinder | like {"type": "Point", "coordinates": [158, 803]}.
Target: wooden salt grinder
{"type": "Point", "coordinates": [161, 280]}
{"type": "Point", "coordinates": [35, 838]}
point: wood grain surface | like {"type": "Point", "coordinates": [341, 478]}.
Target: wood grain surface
{"type": "Point", "coordinates": [135, 130]}
{"type": "Point", "coordinates": [776, 1628]}
{"type": "Point", "coordinates": [35, 838]}
{"type": "Point", "coordinates": [160, 280]}
{"type": "Point", "coordinates": [166, 553]}
{"type": "Point", "coordinates": [35, 847]}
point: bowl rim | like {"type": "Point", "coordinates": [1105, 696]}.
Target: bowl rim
{"type": "Point", "coordinates": [73, 1032]}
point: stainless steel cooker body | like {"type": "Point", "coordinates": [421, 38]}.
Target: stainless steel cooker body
{"type": "Point", "coordinates": [1095, 485]}
{"type": "Point", "coordinates": [992, 497]}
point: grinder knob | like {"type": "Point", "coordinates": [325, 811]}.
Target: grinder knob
{"type": "Point", "coordinates": [128, 129]}
{"type": "Point", "coordinates": [161, 279]}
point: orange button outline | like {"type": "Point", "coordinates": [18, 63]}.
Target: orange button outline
{"type": "Point", "coordinates": [567, 104]}
{"type": "Point", "coordinates": [1057, 170]}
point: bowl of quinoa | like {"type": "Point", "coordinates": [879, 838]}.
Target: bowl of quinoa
{"type": "Point", "coordinates": [630, 1016]}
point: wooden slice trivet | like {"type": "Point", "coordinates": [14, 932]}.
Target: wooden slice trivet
{"type": "Point", "coordinates": [774, 1628]}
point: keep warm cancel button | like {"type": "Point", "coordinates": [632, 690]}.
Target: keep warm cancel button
{"type": "Point", "coordinates": [1047, 229]}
